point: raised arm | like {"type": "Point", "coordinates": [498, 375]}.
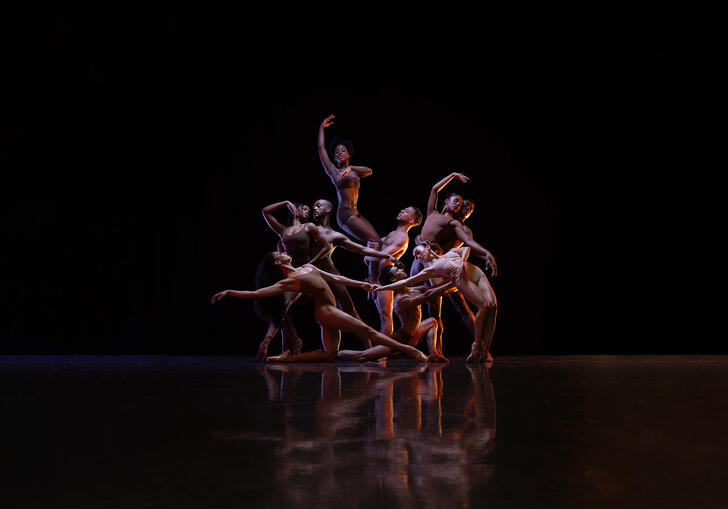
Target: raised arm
{"type": "Point", "coordinates": [476, 248]}
{"type": "Point", "coordinates": [331, 170]}
{"type": "Point", "coordinates": [282, 286]}
{"type": "Point", "coordinates": [335, 278]}
{"type": "Point", "coordinates": [274, 224]}
{"type": "Point", "coordinates": [313, 232]}
{"type": "Point", "coordinates": [432, 202]}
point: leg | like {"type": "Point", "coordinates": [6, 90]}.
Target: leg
{"type": "Point", "coordinates": [329, 316]}
{"type": "Point", "coordinates": [428, 329]}
{"type": "Point", "coordinates": [330, 339]}
{"type": "Point", "coordinates": [370, 354]}
{"type": "Point", "coordinates": [384, 302]}
{"type": "Point", "coordinates": [269, 335]}
{"type": "Point", "coordinates": [363, 231]}
{"type": "Point", "coordinates": [458, 302]}
{"type": "Point", "coordinates": [476, 296]}
{"type": "Point", "coordinates": [487, 290]}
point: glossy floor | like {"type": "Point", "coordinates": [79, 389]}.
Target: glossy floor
{"type": "Point", "coordinates": [225, 432]}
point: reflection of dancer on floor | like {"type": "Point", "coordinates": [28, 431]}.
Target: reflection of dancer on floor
{"type": "Point", "coordinates": [322, 210]}
{"type": "Point", "coordinates": [296, 238]}
{"type": "Point", "coordinates": [395, 243]}
{"type": "Point", "coordinates": [470, 280]}
{"type": "Point", "coordinates": [313, 281]}
{"type": "Point", "coordinates": [407, 305]}
{"type": "Point", "coordinates": [346, 179]}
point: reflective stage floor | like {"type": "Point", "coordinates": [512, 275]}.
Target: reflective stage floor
{"type": "Point", "coordinates": [583, 432]}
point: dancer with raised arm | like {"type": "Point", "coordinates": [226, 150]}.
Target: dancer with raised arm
{"type": "Point", "coordinates": [407, 305]}
{"type": "Point", "coordinates": [322, 210]}
{"type": "Point", "coordinates": [472, 283]}
{"type": "Point", "coordinates": [345, 178]}
{"type": "Point", "coordinates": [297, 238]}
{"type": "Point", "coordinates": [313, 281]}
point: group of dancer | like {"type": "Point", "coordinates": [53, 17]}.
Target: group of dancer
{"type": "Point", "coordinates": [302, 263]}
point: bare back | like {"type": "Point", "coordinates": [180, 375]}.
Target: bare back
{"type": "Point", "coordinates": [410, 316]}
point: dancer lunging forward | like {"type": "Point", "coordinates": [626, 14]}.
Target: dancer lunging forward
{"type": "Point", "coordinates": [313, 281]}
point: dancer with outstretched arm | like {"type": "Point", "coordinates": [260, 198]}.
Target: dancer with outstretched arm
{"type": "Point", "coordinates": [313, 281]}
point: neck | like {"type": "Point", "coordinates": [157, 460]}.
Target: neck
{"type": "Point", "coordinates": [325, 221]}
{"type": "Point", "coordinates": [404, 227]}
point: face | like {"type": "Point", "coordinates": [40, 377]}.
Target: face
{"type": "Point", "coordinates": [282, 258]}
{"type": "Point", "coordinates": [406, 214]}
{"type": "Point", "coordinates": [341, 154]}
{"type": "Point", "coordinates": [320, 208]}
{"type": "Point", "coordinates": [466, 209]}
{"type": "Point", "coordinates": [422, 253]}
{"type": "Point", "coordinates": [453, 203]}
{"type": "Point", "coordinates": [304, 212]}
{"type": "Point", "coordinates": [397, 274]}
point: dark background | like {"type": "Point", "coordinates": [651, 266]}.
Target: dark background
{"type": "Point", "coordinates": [139, 148]}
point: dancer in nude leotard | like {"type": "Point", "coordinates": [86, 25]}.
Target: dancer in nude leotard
{"type": "Point", "coordinates": [313, 281]}
{"type": "Point", "coordinates": [346, 179]}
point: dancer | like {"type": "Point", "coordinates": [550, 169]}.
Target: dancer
{"type": "Point", "coordinates": [322, 210]}
{"type": "Point", "coordinates": [407, 305]}
{"type": "Point", "coordinates": [297, 238]}
{"type": "Point", "coordinates": [346, 179]}
{"type": "Point", "coordinates": [395, 243]}
{"type": "Point", "coordinates": [313, 281]}
{"type": "Point", "coordinates": [470, 280]}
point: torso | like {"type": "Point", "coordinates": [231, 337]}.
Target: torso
{"type": "Point", "coordinates": [409, 317]}
{"type": "Point", "coordinates": [296, 244]}
{"type": "Point", "coordinates": [347, 189]}
{"type": "Point", "coordinates": [438, 228]}
{"type": "Point", "coordinates": [314, 285]}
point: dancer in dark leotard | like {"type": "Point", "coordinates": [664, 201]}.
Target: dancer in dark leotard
{"type": "Point", "coordinates": [332, 320]}
{"type": "Point", "coordinates": [345, 178]}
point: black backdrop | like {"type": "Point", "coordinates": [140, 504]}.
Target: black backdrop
{"type": "Point", "coordinates": [140, 147]}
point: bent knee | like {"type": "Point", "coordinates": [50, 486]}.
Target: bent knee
{"type": "Point", "coordinates": [330, 356]}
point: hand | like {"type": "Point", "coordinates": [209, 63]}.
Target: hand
{"type": "Point", "coordinates": [460, 177]}
{"type": "Point", "coordinates": [370, 287]}
{"type": "Point", "coordinates": [327, 121]}
{"type": "Point", "coordinates": [396, 262]}
{"type": "Point", "coordinates": [219, 296]}
{"type": "Point", "coordinates": [292, 208]}
{"type": "Point", "coordinates": [490, 265]}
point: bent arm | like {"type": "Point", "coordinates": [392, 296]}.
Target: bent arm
{"type": "Point", "coordinates": [436, 291]}
{"type": "Point", "coordinates": [274, 224]}
{"type": "Point", "coordinates": [468, 241]}
{"type": "Point", "coordinates": [350, 245]}
{"type": "Point", "coordinates": [362, 171]}
{"type": "Point", "coordinates": [432, 202]}
{"type": "Point", "coordinates": [315, 234]}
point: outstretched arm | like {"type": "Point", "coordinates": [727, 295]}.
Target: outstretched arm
{"type": "Point", "coordinates": [350, 245]}
{"type": "Point", "coordinates": [274, 224]}
{"type": "Point", "coordinates": [424, 275]}
{"type": "Point", "coordinates": [314, 233]}
{"type": "Point", "coordinates": [476, 248]}
{"type": "Point", "coordinates": [282, 286]}
{"type": "Point", "coordinates": [331, 170]}
{"type": "Point", "coordinates": [432, 202]}
{"type": "Point", "coordinates": [335, 278]}
{"type": "Point", "coordinates": [419, 298]}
